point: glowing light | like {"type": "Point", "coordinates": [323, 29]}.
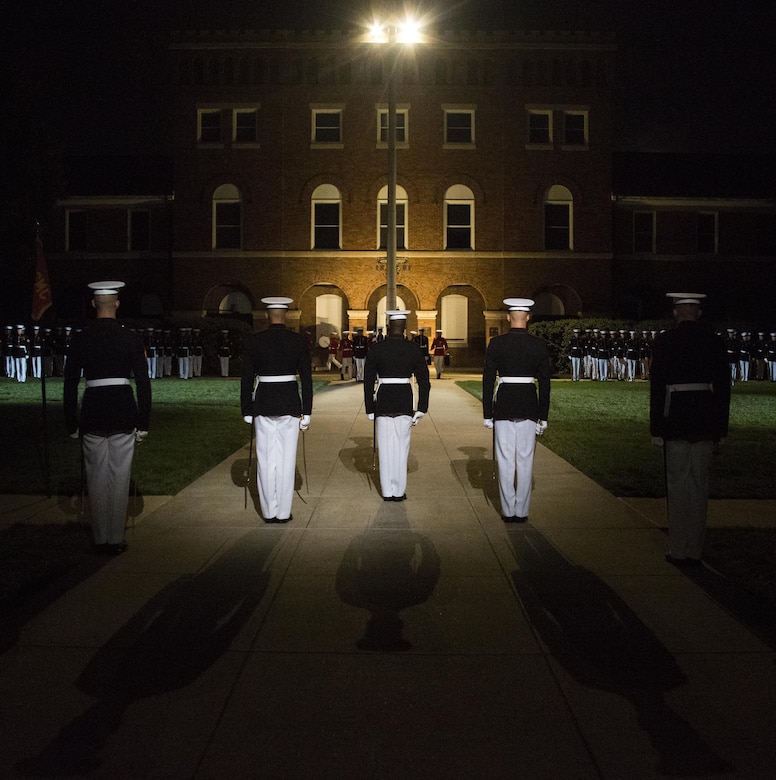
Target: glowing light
{"type": "Point", "coordinates": [409, 31]}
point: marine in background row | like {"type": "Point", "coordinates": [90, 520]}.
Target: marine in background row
{"type": "Point", "coordinates": [750, 356]}
{"type": "Point", "coordinates": [600, 355]}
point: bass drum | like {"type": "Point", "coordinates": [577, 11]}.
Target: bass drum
{"type": "Point", "coordinates": [324, 342]}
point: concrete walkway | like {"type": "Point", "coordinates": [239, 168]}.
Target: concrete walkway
{"type": "Point", "coordinates": [390, 640]}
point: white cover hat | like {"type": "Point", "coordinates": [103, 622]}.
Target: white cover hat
{"type": "Point", "coordinates": [518, 304]}
{"type": "Point", "coordinates": [685, 297]}
{"type": "Point", "coordinates": [106, 288]}
{"type": "Point", "coordinates": [277, 302]}
{"type": "Point", "coordinates": [397, 314]}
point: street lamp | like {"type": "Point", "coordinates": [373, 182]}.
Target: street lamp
{"type": "Point", "coordinates": [406, 32]}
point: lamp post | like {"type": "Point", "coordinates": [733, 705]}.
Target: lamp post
{"type": "Point", "coordinates": [394, 36]}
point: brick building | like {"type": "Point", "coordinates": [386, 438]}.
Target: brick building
{"type": "Point", "coordinates": [509, 183]}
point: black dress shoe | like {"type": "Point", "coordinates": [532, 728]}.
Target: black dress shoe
{"type": "Point", "coordinates": [400, 498]}
{"type": "Point", "coordinates": [683, 562]}
{"type": "Point", "coordinates": [284, 519]}
{"type": "Point", "coordinates": [513, 519]}
{"type": "Point", "coordinates": [270, 519]}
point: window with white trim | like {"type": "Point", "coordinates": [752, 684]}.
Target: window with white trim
{"type": "Point", "coordinates": [575, 128]}
{"type": "Point", "coordinates": [539, 127]}
{"type": "Point", "coordinates": [227, 218]}
{"type": "Point", "coordinates": [327, 126]}
{"type": "Point", "coordinates": [459, 126]}
{"type": "Point", "coordinates": [402, 127]}
{"type": "Point", "coordinates": [326, 226]}
{"type": "Point", "coordinates": [401, 218]}
{"type": "Point", "coordinates": [459, 217]}
{"type": "Point", "coordinates": [245, 126]}
{"type": "Point", "coordinates": [558, 218]}
{"type": "Point", "coordinates": [455, 319]}
{"type": "Point", "coordinates": [209, 126]}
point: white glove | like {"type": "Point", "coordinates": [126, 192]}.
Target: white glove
{"type": "Point", "coordinates": [141, 436]}
{"type": "Point", "coordinates": [541, 427]}
{"type": "Point", "coordinates": [488, 423]}
{"type": "Point", "coordinates": [76, 434]}
{"type": "Point", "coordinates": [657, 441]}
{"type": "Point", "coordinates": [304, 422]}
{"type": "Point", "coordinates": [248, 419]}
{"type": "Point", "coordinates": [416, 417]}
{"type": "Point", "coordinates": [370, 416]}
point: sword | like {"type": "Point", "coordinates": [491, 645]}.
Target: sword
{"type": "Point", "coordinates": [250, 462]}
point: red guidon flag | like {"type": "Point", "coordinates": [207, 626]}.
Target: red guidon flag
{"type": "Point", "coordinates": [41, 289]}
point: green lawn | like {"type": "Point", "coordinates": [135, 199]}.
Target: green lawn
{"type": "Point", "coordinates": [194, 426]}
{"type": "Point", "coordinates": [602, 429]}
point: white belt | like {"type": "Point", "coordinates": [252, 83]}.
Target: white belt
{"type": "Point", "coordinates": [110, 381]}
{"type": "Point", "coordinates": [687, 387]}
{"type": "Point", "coordinates": [393, 380]}
{"type": "Point", "coordinates": [516, 380]}
{"type": "Point", "coordinates": [276, 378]}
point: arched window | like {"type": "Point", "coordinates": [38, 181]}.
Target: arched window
{"type": "Point", "coordinates": [459, 217]}
{"type": "Point", "coordinates": [558, 218]}
{"type": "Point", "coordinates": [401, 218]}
{"type": "Point", "coordinates": [381, 309]}
{"type": "Point", "coordinates": [326, 230]}
{"type": "Point", "coordinates": [235, 303]}
{"type": "Point", "coordinates": [328, 314]}
{"type": "Point", "coordinates": [227, 218]}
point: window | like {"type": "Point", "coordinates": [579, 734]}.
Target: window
{"type": "Point", "coordinates": [455, 318]}
{"type": "Point", "coordinates": [575, 128]}
{"type": "Point", "coordinates": [326, 212]}
{"type": "Point", "coordinates": [227, 218]}
{"type": "Point", "coordinates": [401, 126]}
{"type": "Point", "coordinates": [558, 207]}
{"type": "Point", "coordinates": [706, 235]}
{"type": "Point", "coordinates": [209, 125]}
{"type": "Point", "coordinates": [245, 126]}
{"type": "Point", "coordinates": [76, 231]}
{"type": "Point", "coordinates": [401, 218]}
{"type": "Point", "coordinates": [327, 126]}
{"type": "Point", "coordinates": [644, 231]}
{"type": "Point", "coordinates": [139, 230]}
{"type": "Point", "coordinates": [459, 126]}
{"type": "Point", "coordinates": [459, 218]}
{"type": "Point", "coordinates": [540, 128]}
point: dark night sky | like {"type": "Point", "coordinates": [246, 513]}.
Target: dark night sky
{"type": "Point", "coordinates": [694, 75]}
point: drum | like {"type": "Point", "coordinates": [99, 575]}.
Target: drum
{"type": "Point", "coordinates": [324, 342]}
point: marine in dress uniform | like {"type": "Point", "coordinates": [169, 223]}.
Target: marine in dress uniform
{"type": "Point", "coordinates": [731, 349]}
{"type": "Point", "coordinates": [269, 398]}
{"type": "Point", "coordinates": [151, 352]}
{"type": "Point", "coordinates": [575, 355]}
{"type": "Point", "coordinates": [333, 349]}
{"type": "Point", "coordinates": [759, 356]}
{"type": "Point", "coordinates": [197, 351]}
{"type": "Point", "coordinates": [631, 356]}
{"type": "Point", "coordinates": [422, 341]}
{"type": "Point", "coordinates": [688, 414]}
{"type": "Point", "coordinates": [110, 421]}
{"type": "Point", "coordinates": [36, 352]}
{"type": "Point", "coordinates": [388, 398]}
{"type": "Point", "coordinates": [224, 352]}
{"type": "Point", "coordinates": [515, 363]}
{"type": "Point", "coordinates": [770, 357]}
{"type": "Point", "coordinates": [183, 352]}
{"type": "Point", "coordinates": [439, 350]}
{"type": "Point", "coordinates": [21, 353]}
{"type": "Point", "coordinates": [168, 348]}
{"type": "Point", "coordinates": [360, 350]}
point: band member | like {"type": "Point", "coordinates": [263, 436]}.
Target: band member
{"type": "Point", "coordinates": [224, 352]}
{"type": "Point", "coordinates": [21, 353]}
{"type": "Point", "coordinates": [688, 414]}
{"type": "Point", "coordinates": [333, 349]}
{"type": "Point", "coordinates": [388, 398]}
{"type": "Point", "coordinates": [514, 362]}
{"type": "Point", "coordinates": [346, 352]}
{"type": "Point", "coordinates": [439, 350]}
{"type": "Point", "coordinates": [269, 398]}
{"type": "Point", "coordinates": [110, 422]}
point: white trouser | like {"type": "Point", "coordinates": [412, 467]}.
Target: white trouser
{"type": "Point", "coordinates": [332, 360]}
{"type": "Point", "coordinates": [21, 369]}
{"type": "Point", "coordinates": [393, 442]}
{"type": "Point", "coordinates": [196, 365]}
{"type": "Point", "coordinates": [515, 445]}
{"type": "Point", "coordinates": [772, 370]}
{"type": "Point", "coordinates": [36, 366]}
{"type": "Point", "coordinates": [224, 366]}
{"type": "Point", "coordinates": [276, 440]}
{"type": "Point", "coordinates": [439, 365]}
{"type": "Point", "coordinates": [575, 363]}
{"type": "Point", "coordinates": [108, 462]}
{"type": "Point", "coordinates": [687, 489]}
{"type": "Point", "coordinates": [743, 367]}
{"type": "Point", "coordinates": [10, 370]}
{"type": "Point", "coordinates": [184, 367]}
{"type": "Point", "coordinates": [360, 362]}
{"type": "Point", "coordinates": [347, 367]}
{"type": "Point", "coordinates": [151, 362]}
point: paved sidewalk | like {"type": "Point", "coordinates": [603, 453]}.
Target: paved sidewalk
{"type": "Point", "coordinates": [368, 639]}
